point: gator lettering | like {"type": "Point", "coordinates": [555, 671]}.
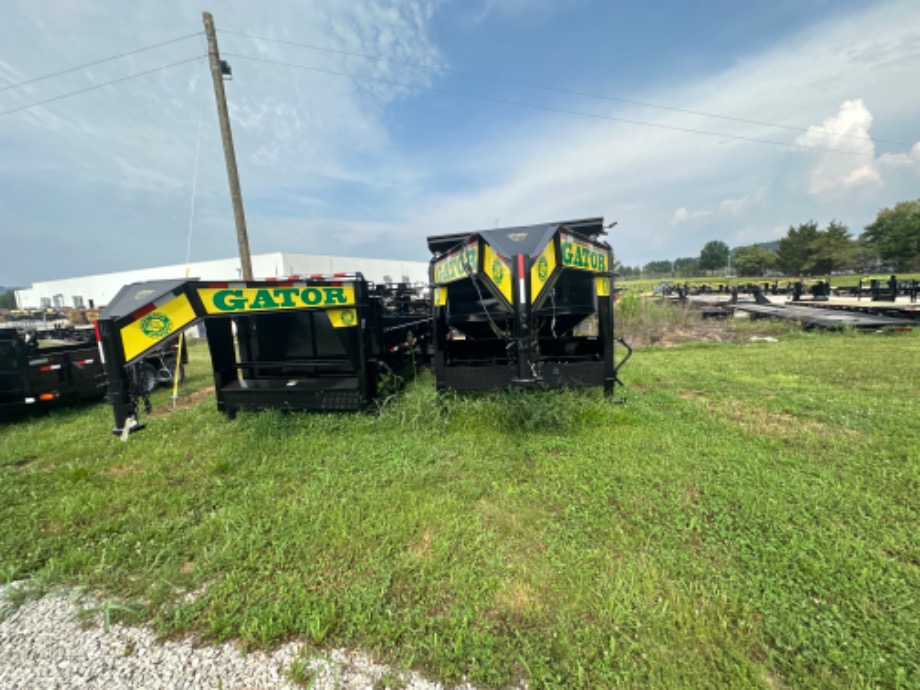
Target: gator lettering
{"type": "Point", "coordinates": [234, 300]}
{"type": "Point", "coordinates": [230, 300]}
{"type": "Point", "coordinates": [579, 256]}
{"type": "Point", "coordinates": [287, 296]}
{"type": "Point", "coordinates": [457, 265]}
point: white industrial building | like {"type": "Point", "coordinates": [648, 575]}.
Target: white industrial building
{"type": "Point", "coordinates": [96, 291]}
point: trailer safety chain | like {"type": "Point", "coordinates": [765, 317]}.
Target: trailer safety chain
{"type": "Point", "coordinates": [465, 262]}
{"type": "Point", "coordinates": [139, 392]}
{"type": "Point", "coordinates": [616, 367]}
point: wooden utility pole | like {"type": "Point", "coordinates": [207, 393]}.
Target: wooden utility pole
{"type": "Point", "coordinates": [229, 155]}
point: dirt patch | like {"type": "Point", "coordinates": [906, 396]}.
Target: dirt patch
{"type": "Point", "coordinates": [55, 527]}
{"type": "Point", "coordinates": [777, 424]}
{"type": "Point", "coordinates": [121, 470]}
{"type": "Point", "coordinates": [421, 548]}
{"type": "Point", "coordinates": [184, 401]}
{"type": "Point", "coordinates": [516, 597]}
{"type": "Point", "coordinates": [678, 325]}
{"type": "Point", "coordinates": [691, 495]}
{"type": "Point", "coordinates": [20, 463]}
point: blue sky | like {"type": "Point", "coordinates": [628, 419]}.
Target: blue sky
{"type": "Point", "coordinates": [102, 181]}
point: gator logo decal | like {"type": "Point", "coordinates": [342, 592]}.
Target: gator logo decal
{"type": "Point", "coordinates": [155, 325]}
{"type": "Point", "coordinates": [543, 269]}
{"type": "Point", "coordinates": [498, 271]}
{"type": "Point", "coordinates": [348, 316]}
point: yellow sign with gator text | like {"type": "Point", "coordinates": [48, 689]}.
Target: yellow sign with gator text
{"type": "Point", "coordinates": [247, 300]}
{"type": "Point", "coordinates": [458, 264]}
{"type": "Point", "coordinates": [577, 254]}
{"type": "Point", "coordinates": [155, 326]}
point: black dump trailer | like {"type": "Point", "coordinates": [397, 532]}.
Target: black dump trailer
{"type": "Point", "coordinates": [47, 370]}
{"type": "Point", "coordinates": [524, 306]}
{"type": "Point", "coordinates": [304, 343]}
{"type": "Point", "coordinates": [61, 366]}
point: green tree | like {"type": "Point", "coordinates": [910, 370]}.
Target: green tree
{"type": "Point", "coordinates": [660, 268]}
{"type": "Point", "coordinates": [714, 256]}
{"type": "Point", "coordinates": [687, 266]}
{"type": "Point", "coordinates": [795, 248]}
{"type": "Point", "coordinates": [753, 260]}
{"type": "Point", "coordinates": [895, 234]}
{"type": "Point", "coordinates": [8, 300]}
{"type": "Point", "coordinates": [832, 250]}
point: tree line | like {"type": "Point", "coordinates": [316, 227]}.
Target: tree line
{"type": "Point", "coordinates": [890, 242]}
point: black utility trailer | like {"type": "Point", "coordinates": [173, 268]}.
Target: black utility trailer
{"type": "Point", "coordinates": [61, 366]}
{"type": "Point", "coordinates": [39, 372]}
{"type": "Point", "coordinates": [524, 306]}
{"type": "Point", "coordinates": [303, 343]}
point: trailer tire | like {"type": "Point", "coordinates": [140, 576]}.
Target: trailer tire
{"type": "Point", "coordinates": [146, 378]}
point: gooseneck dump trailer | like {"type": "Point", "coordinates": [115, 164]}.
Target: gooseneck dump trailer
{"type": "Point", "coordinates": [524, 306]}
{"type": "Point", "coordinates": [317, 343]}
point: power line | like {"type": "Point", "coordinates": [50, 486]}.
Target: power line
{"type": "Point", "coordinates": [99, 86]}
{"type": "Point", "coordinates": [99, 62]}
{"type": "Point", "coordinates": [553, 109]}
{"type": "Point", "coordinates": [571, 92]}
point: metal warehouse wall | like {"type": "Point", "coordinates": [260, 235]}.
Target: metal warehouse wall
{"type": "Point", "coordinates": [101, 288]}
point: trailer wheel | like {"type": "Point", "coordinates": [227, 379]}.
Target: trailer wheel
{"type": "Point", "coordinates": [146, 378]}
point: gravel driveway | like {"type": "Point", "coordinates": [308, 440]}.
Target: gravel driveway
{"type": "Point", "coordinates": [42, 645]}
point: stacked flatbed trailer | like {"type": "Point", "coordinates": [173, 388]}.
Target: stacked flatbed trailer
{"type": "Point", "coordinates": [303, 343]}
{"type": "Point", "coordinates": [524, 307]}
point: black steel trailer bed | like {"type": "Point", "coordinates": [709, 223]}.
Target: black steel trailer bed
{"type": "Point", "coordinates": [809, 316]}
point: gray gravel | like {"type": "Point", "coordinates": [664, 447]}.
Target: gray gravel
{"type": "Point", "coordinates": [42, 645]}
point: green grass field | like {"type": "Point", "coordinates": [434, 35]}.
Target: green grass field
{"type": "Point", "coordinates": [749, 518]}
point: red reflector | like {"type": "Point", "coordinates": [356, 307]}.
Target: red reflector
{"type": "Point", "coordinates": [340, 275]}
{"type": "Point", "coordinates": [317, 276]}
{"type": "Point", "coordinates": [521, 266]}
{"type": "Point", "coordinates": [218, 286]}
{"type": "Point", "coordinates": [143, 311]}
{"type": "Point", "coordinates": [48, 396]}
{"type": "Point", "coordinates": [47, 367]}
{"type": "Point", "coordinates": [96, 328]}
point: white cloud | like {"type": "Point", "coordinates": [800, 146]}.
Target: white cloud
{"type": "Point", "coordinates": [902, 160]}
{"type": "Point", "coordinates": [847, 131]}
{"type": "Point", "coordinates": [738, 206]}
{"type": "Point", "coordinates": [682, 215]}
{"type": "Point", "coordinates": [515, 9]}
